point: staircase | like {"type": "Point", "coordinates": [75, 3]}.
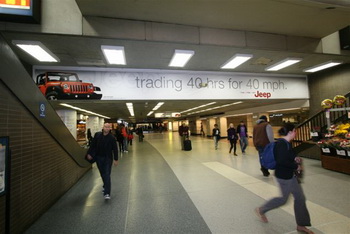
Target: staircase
{"type": "Point", "coordinates": [318, 122]}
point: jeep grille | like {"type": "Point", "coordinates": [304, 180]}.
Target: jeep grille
{"type": "Point", "coordinates": [78, 89]}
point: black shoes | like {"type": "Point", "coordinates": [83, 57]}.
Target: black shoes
{"type": "Point", "coordinates": [265, 172]}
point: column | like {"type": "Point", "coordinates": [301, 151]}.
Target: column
{"type": "Point", "coordinates": [69, 118]}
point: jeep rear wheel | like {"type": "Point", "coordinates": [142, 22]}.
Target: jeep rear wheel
{"type": "Point", "coordinates": [52, 96]}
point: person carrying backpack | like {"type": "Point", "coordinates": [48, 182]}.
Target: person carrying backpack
{"type": "Point", "coordinates": [262, 135]}
{"type": "Point", "coordinates": [287, 166]}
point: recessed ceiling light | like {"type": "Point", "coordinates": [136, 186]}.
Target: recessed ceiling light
{"type": "Point", "coordinates": [114, 54]}
{"type": "Point", "coordinates": [37, 50]}
{"type": "Point", "coordinates": [83, 110]}
{"type": "Point", "coordinates": [158, 105]}
{"type": "Point", "coordinates": [322, 66]}
{"type": "Point", "coordinates": [180, 58]}
{"type": "Point", "coordinates": [283, 64]}
{"type": "Point", "coordinates": [236, 60]}
{"type": "Point", "coordinates": [130, 107]}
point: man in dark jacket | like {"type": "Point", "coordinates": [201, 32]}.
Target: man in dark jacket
{"type": "Point", "coordinates": [183, 132]}
{"type": "Point", "coordinates": [262, 135]}
{"type": "Point", "coordinates": [103, 149]}
{"type": "Point", "coordinates": [242, 132]}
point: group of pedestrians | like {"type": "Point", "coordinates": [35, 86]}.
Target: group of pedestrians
{"type": "Point", "coordinates": [233, 135]}
{"type": "Point", "coordinates": [104, 151]}
{"type": "Point", "coordinates": [124, 137]}
{"type": "Point", "coordinates": [288, 166]}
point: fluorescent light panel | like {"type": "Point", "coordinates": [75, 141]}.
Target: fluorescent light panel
{"type": "Point", "coordinates": [216, 107]}
{"type": "Point", "coordinates": [211, 103]}
{"type": "Point", "coordinates": [130, 107]}
{"type": "Point", "coordinates": [236, 60]}
{"type": "Point", "coordinates": [151, 112]}
{"type": "Point", "coordinates": [322, 66]}
{"type": "Point", "coordinates": [114, 54]}
{"type": "Point", "coordinates": [158, 105]}
{"type": "Point", "coordinates": [288, 109]}
{"type": "Point", "coordinates": [83, 110]}
{"type": "Point", "coordinates": [180, 58]}
{"type": "Point", "coordinates": [283, 64]}
{"type": "Point", "coordinates": [37, 50]}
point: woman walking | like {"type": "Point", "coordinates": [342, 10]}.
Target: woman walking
{"type": "Point", "coordinates": [232, 137]}
{"type": "Point", "coordinates": [287, 166]}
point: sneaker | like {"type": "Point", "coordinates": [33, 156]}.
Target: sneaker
{"type": "Point", "coordinates": [303, 229]}
{"type": "Point", "coordinates": [261, 216]}
{"type": "Point", "coordinates": [107, 196]}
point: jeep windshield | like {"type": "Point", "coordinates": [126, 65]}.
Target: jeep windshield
{"type": "Point", "coordinates": [62, 77]}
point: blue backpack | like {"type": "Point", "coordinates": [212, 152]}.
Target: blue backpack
{"type": "Point", "coordinates": [267, 159]}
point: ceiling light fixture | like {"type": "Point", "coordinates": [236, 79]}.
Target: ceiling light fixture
{"type": "Point", "coordinates": [288, 109]}
{"type": "Point", "coordinates": [151, 112]}
{"type": "Point", "coordinates": [114, 54]}
{"type": "Point", "coordinates": [130, 107]}
{"type": "Point", "coordinates": [216, 107]}
{"type": "Point", "coordinates": [211, 103]}
{"type": "Point", "coordinates": [322, 66]}
{"type": "Point", "coordinates": [83, 110]}
{"type": "Point", "coordinates": [236, 60]}
{"type": "Point", "coordinates": [158, 105]}
{"type": "Point", "coordinates": [283, 64]}
{"type": "Point", "coordinates": [180, 58]}
{"type": "Point", "coordinates": [37, 50]}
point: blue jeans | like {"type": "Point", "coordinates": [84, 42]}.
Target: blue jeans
{"type": "Point", "coordinates": [104, 165]}
{"type": "Point", "coordinates": [216, 141]}
{"type": "Point", "coordinates": [243, 141]}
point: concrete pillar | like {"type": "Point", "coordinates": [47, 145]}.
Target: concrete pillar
{"type": "Point", "coordinates": [223, 126]}
{"type": "Point", "coordinates": [101, 123]}
{"type": "Point", "coordinates": [69, 118]}
{"type": "Point", "coordinates": [210, 125]}
{"type": "Point", "coordinates": [93, 123]}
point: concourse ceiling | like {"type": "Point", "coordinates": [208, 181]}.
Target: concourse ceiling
{"type": "Point", "coordinates": [302, 18]}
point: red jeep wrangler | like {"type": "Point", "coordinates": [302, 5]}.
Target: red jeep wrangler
{"type": "Point", "coordinates": [65, 85]}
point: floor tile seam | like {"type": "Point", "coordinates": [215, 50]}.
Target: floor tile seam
{"type": "Point", "coordinates": [346, 221]}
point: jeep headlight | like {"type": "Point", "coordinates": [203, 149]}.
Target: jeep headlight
{"type": "Point", "coordinates": [65, 86]}
{"type": "Point", "coordinates": [90, 87]}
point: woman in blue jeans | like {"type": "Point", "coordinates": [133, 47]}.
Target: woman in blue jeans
{"type": "Point", "coordinates": [287, 164]}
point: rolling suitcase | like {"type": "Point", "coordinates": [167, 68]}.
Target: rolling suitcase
{"type": "Point", "coordinates": [187, 145]}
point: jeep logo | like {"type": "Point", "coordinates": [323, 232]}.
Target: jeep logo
{"type": "Point", "coordinates": [262, 95]}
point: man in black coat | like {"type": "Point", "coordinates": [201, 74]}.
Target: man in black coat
{"type": "Point", "coordinates": [104, 149]}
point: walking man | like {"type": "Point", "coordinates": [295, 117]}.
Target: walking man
{"type": "Point", "coordinates": [262, 135]}
{"type": "Point", "coordinates": [104, 149]}
{"type": "Point", "coordinates": [243, 136]}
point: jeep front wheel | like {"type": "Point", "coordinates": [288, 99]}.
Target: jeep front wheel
{"type": "Point", "coordinates": [52, 96]}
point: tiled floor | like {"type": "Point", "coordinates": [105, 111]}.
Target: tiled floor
{"type": "Point", "coordinates": [157, 188]}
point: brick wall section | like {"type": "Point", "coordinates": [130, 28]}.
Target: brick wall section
{"type": "Point", "coordinates": [41, 170]}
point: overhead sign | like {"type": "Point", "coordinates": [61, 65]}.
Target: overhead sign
{"type": "Point", "coordinates": [127, 84]}
{"type": "Point", "coordinates": [167, 115]}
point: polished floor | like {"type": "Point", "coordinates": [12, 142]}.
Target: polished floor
{"type": "Point", "coordinates": [157, 188]}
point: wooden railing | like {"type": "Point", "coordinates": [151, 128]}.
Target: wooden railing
{"type": "Point", "coordinates": [318, 123]}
